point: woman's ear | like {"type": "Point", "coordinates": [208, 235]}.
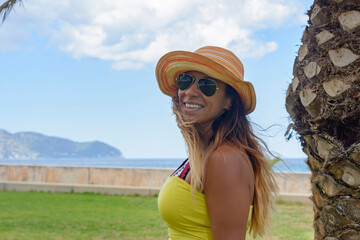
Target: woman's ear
{"type": "Point", "coordinates": [228, 103]}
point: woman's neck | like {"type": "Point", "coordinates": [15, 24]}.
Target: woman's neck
{"type": "Point", "coordinates": [205, 131]}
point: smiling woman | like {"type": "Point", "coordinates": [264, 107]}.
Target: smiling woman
{"type": "Point", "coordinates": [204, 101]}
{"type": "Point", "coordinates": [226, 186]}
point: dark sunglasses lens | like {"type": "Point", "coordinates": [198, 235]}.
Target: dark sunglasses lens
{"type": "Point", "coordinates": [207, 86]}
{"type": "Point", "coordinates": [184, 81]}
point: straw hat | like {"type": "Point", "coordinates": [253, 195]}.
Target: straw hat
{"type": "Point", "coordinates": [215, 62]}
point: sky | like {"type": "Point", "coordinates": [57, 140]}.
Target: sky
{"type": "Point", "coordinates": [85, 70]}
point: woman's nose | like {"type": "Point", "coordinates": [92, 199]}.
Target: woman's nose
{"type": "Point", "coordinates": [193, 90]}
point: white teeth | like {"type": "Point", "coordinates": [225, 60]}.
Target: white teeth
{"type": "Point", "coordinates": [188, 105]}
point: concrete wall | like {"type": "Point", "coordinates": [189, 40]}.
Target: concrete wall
{"type": "Point", "coordinates": [294, 187]}
{"type": "Point", "coordinates": [115, 181]}
{"type": "Point", "coordinates": [85, 175]}
{"type": "Point", "coordinates": [123, 181]}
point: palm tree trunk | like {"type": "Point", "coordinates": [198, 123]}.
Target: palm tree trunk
{"type": "Point", "coordinates": [323, 102]}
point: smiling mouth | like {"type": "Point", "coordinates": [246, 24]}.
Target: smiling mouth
{"type": "Point", "coordinates": [193, 106]}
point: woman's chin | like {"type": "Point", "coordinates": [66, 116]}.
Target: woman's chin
{"type": "Point", "coordinates": [188, 117]}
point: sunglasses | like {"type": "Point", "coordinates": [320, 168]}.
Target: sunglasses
{"type": "Point", "coordinates": [206, 85]}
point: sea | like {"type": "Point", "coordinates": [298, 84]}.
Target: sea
{"type": "Point", "coordinates": [296, 165]}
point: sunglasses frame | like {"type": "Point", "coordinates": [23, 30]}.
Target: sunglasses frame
{"type": "Point", "coordinates": [193, 80]}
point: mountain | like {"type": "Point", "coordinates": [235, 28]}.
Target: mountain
{"type": "Point", "coordinates": [23, 145]}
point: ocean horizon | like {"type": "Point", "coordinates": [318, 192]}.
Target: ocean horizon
{"type": "Point", "coordinates": [297, 165]}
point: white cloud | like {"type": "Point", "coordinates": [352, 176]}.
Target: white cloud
{"type": "Point", "coordinates": [135, 33]}
{"type": "Point", "coordinates": [121, 65]}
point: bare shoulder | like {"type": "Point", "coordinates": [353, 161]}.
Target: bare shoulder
{"type": "Point", "coordinates": [228, 171]}
{"type": "Point", "coordinates": [228, 159]}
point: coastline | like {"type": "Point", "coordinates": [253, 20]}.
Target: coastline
{"type": "Point", "coordinates": [296, 165]}
{"type": "Point", "coordinates": [120, 181]}
{"type": "Point", "coordinates": [117, 167]}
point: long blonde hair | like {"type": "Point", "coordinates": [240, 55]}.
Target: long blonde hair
{"type": "Point", "coordinates": [234, 128]}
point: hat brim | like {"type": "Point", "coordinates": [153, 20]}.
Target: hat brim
{"type": "Point", "coordinates": [173, 63]}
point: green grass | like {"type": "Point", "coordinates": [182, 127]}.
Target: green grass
{"type": "Point", "coordinates": [294, 221]}
{"type": "Point", "coordinates": [30, 215]}
{"type": "Point", "coordinates": [291, 221]}
{"type": "Point", "coordinates": [34, 215]}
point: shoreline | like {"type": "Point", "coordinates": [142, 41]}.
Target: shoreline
{"type": "Point", "coordinates": [290, 164]}
{"type": "Point", "coordinates": [120, 181]}
{"type": "Point", "coordinates": [90, 166]}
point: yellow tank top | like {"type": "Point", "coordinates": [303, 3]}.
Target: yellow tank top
{"type": "Point", "coordinates": [185, 215]}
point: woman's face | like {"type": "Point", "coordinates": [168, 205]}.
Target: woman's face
{"type": "Point", "coordinates": [197, 107]}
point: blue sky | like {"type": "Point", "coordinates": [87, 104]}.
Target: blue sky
{"type": "Point", "coordinates": [84, 70]}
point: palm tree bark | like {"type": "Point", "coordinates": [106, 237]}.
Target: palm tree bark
{"type": "Point", "coordinates": [6, 8]}
{"type": "Point", "coordinates": [323, 102]}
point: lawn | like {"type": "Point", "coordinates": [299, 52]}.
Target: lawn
{"type": "Point", "coordinates": [38, 215]}
{"type": "Point", "coordinates": [291, 221]}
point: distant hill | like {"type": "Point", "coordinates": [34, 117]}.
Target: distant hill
{"type": "Point", "coordinates": [24, 145]}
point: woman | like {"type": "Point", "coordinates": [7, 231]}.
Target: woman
{"type": "Point", "coordinates": [226, 185]}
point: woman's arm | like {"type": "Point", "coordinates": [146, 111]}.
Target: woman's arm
{"type": "Point", "coordinates": [229, 187]}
